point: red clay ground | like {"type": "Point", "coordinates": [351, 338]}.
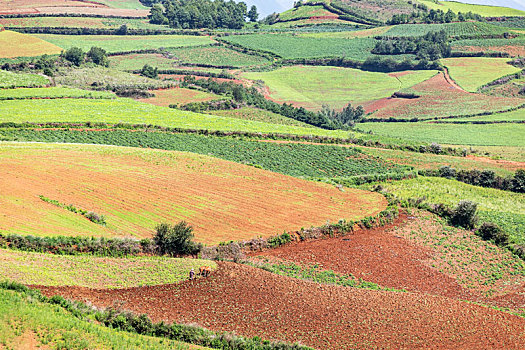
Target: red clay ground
{"type": "Point", "coordinates": [250, 301]}
{"type": "Point", "coordinates": [438, 98]}
{"type": "Point", "coordinates": [65, 6]}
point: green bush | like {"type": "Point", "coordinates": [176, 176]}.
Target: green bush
{"type": "Point", "coordinates": [75, 55]}
{"type": "Point", "coordinates": [464, 215]}
{"type": "Point", "coordinates": [492, 232]}
{"type": "Point", "coordinates": [175, 240]}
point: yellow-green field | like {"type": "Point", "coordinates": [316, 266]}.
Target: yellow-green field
{"type": "Point", "coordinates": [13, 44]}
{"type": "Point", "coordinates": [483, 10]}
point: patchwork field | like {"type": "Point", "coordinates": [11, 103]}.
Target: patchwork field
{"type": "Point", "coordinates": [439, 97]}
{"type": "Point", "coordinates": [514, 47]}
{"type": "Point", "coordinates": [95, 272]}
{"type": "Point", "coordinates": [220, 199]}
{"type": "Point", "coordinates": [260, 115]}
{"type": "Point", "coordinates": [134, 61]}
{"type": "Point", "coordinates": [473, 72]}
{"type": "Point", "coordinates": [52, 92]}
{"type": "Point", "coordinates": [122, 43]}
{"type": "Point", "coordinates": [306, 12]}
{"type": "Point", "coordinates": [123, 110]}
{"type": "Point", "coordinates": [311, 87]}
{"type": "Point", "coordinates": [127, 8]}
{"type": "Point", "coordinates": [364, 33]}
{"type": "Point", "coordinates": [13, 44]}
{"type": "Point", "coordinates": [77, 22]}
{"type": "Point", "coordinates": [179, 96]}
{"type": "Point", "coordinates": [460, 29]}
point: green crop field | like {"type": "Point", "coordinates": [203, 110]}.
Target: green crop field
{"type": "Point", "coordinates": [122, 43]}
{"type": "Point", "coordinates": [472, 29]}
{"type": "Point", "coordinates": [134, 61]}
{"type": "Point", "coordinates": [473, 72]}
{"type": "Point", "coordinates": [129, 111]}
{"type": "Point", "coordinates": [507, 209]}
{"type": "Point", "coordinates": [94, 272]}
{"type": "Point", "coordinates": [14, 80]}
{"type": "Point", "coordinates": [514, 116]}
{"type": "Point", "coordinates": [216, 56]}
{"type": "Point", "coordinates": [101, 76]}
{"type": "Point", "coordinates": [299, 160]}
{"type": "Point", "coordinates": [519, 41]}
{"type": "Point", "coordinates": [364, 33]}
{"type": "Point", "coordinates": [311, 87]}
{"type": "Point", "coordinates": [485, 11]}
{"type": "Point", "coordinates": [52, 92]}
{"type": "Point", "coordinates": [305, 12]}
{"type": "Point", "coordinates": [123, 4]}
{"type": "Point", "coordinates": [26, 320]}
{"type": "Point", "coordinates": [180, 96]}
{"type": "Point", "coordinates": [469, 134]}
{"type": "Point", "coordinates": [288, 46]}
{"type": "Point", "coordinates": [261, 115]}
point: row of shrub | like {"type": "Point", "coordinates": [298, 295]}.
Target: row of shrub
{"type": "Point", "coordinates": [479, 54]}
{"type": "Point", "coordinates": [32, 15]}
{"type": "Point", "coordinates": [90, 215]}
{"type": "Point", "coordinates": [482, 178]}
{"type": "Point", "coordinates": [142, 324]}
{"type": "Point", "coordinates": [199, 107]}
{"type": "Point", "coordinates": [123, 30]}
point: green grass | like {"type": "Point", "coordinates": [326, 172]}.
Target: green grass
{"type": "Point", "coordinates": [298, 160]}
{"type": "Point", "coordinates": [216, 56]}
{"type": "Point", "coordinates": [79, 22]}
{"type": "Point", "coordinates": [312, 87]}
{"type": "Point", "coordinates": [261, 115]}
{"type": "Point", "coordinates": [288, 46]}
{"type": "Point", "coordinates": [133, 62]}
{"type": "Point", "coordinates": [23, 319]}
{"type": "Point", "coordinates": [123, 4]}
{"type": "Point", "coordinates": [507, 209]}
{"type": "Point", "coordinates": [514, 116]}
{"type": "Point", "coordinates": [128, 111]}
{"type": "Point", "coordinates": [120, 43]}
{"type": "Point", "coordinates": [482, 10]}
{"type": "Point", "coordinates": [470, 134]}
{"type": "Point", "coordinates": [305, 12]}
{"type": "Point", "coordinates": [519, 41]}
{"type": "Point", "coordinates": [94, 272]}
{"type": "Point", "coordinates": [52, 92]}
{"type": "Point", "coordinates": [12, 80]}
{"type": "Point", "coordinates": [100, 76]}
{"type": "Point", "coordinates": [473, 72]}
{"type": "Point", "coordinates": [472, 29]}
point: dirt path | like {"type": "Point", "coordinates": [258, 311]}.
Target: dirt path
{"type": "Point", "coordinates": [250, 301]}
{"type": "Point", "coordinates": [451, 81]}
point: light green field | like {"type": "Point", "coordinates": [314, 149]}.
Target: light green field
{"type": "Point", "coordinates": [305, 12]}
{"type": "Point", "coordinates": [128, 111]}
{"type": "Point", "coordinates": [12, 80]}
{"type": "Point", "coordinates": [216, 56]}
{"type": "Point", "coordinates": [365, 33]}
{"type": "Point", "coordinates": [485, 11]}
{"type": "Point", "coordinates": [261, 115]}
{"type": "Point", "coordinates": [24, 320]}
{"type": "Point", "coordinates": [52, 92]}
{"type": "Point", "coordinates": [473, 72]}
{"type": "Point", "coordinates": [453, 134]}
{"type": "Point", "coordinates": [507, 209]}
{"type": "Point", "coordinates": [514, 116]}
{"type": "Point", "coordinates": [94, 272]}
{"type": "Point", "coordinates": [311, 87]}
{"type": "Point", "coordinates": [121, 43]}
{"type": "Point", "coordinates": [123, 4]}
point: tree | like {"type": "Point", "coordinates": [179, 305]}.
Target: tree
{"type": "Point", "coordinates": [156, 15]}
{"type": "Point", "coordinates": [518, 182]}
{"type": "Point", "coordinates": [252, 14]}
{"type": "Point", "coordinates": [149, 72]}
{"type": "Point", "coordinates": [175, 239]}
{"type": "Point", "coordinates": [75, 55]}
{"type": "Point", "coordinates": [99, 56]}
{"type": "Point", "coordinates": [464, 215]}
{"type": "Point", "coordinates": [123, 30]}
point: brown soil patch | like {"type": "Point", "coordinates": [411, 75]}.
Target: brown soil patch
{"type": "Point", "coordinates": [250, 301]}
{"type": "Point", "coordinates": [508, 164]}
{"type": "Point", "coordinates": [137, 189]}
{"type": "Point", "coordinates": [511, 50]}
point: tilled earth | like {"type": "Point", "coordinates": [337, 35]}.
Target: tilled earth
{"type": "Point", "coordinates": [250, 301]}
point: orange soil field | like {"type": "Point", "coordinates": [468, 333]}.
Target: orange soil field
{"type": "Point", "coordinates": [65, 6]}
{"type": "Point", "coordinates": [250, 302]}
{"type": "Point", "coordinates": [137, 189]}
{"type": "Point", "coordinates": [183, 96]}
{"type": "Point", "coordinates": [438, 98]}
{"type": "Point", "coordinates": [13, 44]}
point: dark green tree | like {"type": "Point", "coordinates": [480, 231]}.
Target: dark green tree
{"type": "Point", "coordinates": [175, 239]}
{"type": "Point", "coordinates": [252, 14]}
{"type": "Point", "coordinates": [99, 56]}
{"type": "Point", "coordinates": [156, 15]}
{"type": "Point", "coordinates": [149, 71]}
{"type": "Point", "coordinates": [75, 55]}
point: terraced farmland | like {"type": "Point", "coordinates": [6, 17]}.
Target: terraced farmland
{"type": "Point", "coordinates": [77, 22]}
{"type": "Point", "coordinates": [14, 80]}
{"type": "Point", "coordinates": [51, 93]}
{"type": "Point", "coordinates": [216, 56]}
{"type": "Point", "coordinates": [120, 43]}
{"type": "Point", "coordinates": [311, 87]}
{"type": "Point", "coordinates": [167, 187]}
{"type": "Point", "coordinates": [179, 96]}
{"type": "Point", "coordinates": [135, 62]}
{"type": "Point", "coordinates": [260, 115]}
{"type": "Point", "coordinates": [461, 29]}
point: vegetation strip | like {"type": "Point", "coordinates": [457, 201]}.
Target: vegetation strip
{"type": "Point", "coordinates": [90, 215]}
{"type": "Point", "coordinates": [142, 324]}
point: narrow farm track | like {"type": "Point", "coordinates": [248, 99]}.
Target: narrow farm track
{"type": "Point", "coordinates": [250, 301]}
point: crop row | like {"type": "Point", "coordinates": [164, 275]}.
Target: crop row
{"type": "Point", "coordinates": [13, 80]}
{"type": "Point", "coordinates": [462, 29]}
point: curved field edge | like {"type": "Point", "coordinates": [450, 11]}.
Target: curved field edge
{"type": "Point", "coordinates": [24, 320]}
{"type": "Point", "coordinates": [95, 272]}
{"type": "Point", "coordinates": [220, 199]}
{"type": "Point", "coordinates": [128, 111]}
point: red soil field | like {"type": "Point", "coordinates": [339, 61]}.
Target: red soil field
{"type": "Point", "coordinates": [137, 189]}
{"type": "Point", "coordinates": [511, 50]}
{"type": "Point", "coordinates": [167, 97]}
{"type": "Point", "coordinates": [250, 302]}
{"type": "Point", "coordinates": [385, 257]}
{"type": "Point", "coordinates": [438, 98]}
{"type": "Point", "coordinates": [65, 6]}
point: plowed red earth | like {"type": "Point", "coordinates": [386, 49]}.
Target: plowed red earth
{"type": "Point", "coordinates": [250, 301]}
